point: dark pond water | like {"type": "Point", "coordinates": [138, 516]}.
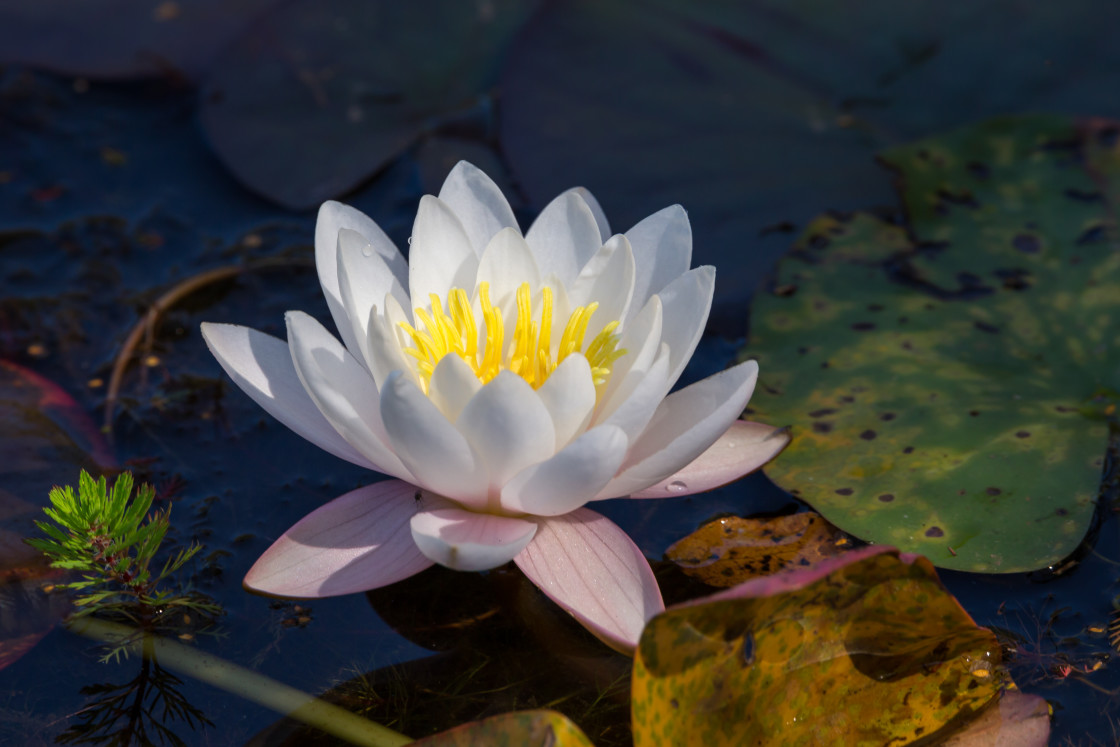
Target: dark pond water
{"type": "Point", "coordinates": [127, 168]}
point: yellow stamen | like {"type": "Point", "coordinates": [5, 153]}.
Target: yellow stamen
{"type": "Point", "coordinates": [453, 331]}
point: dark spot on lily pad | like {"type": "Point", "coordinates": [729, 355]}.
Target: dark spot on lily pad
{"type": "Point", "coordinates": [822, 426]}
{"type": "Point", "coordinates": [1026, 243]}
{"type": "Point", "coordinates": [978, 170]}
{"type": "Point", "coordinates": [1082, 195]}
{"type": "Point", "coordinates": [822, 412]}
{"type": "Point", "coordinates": [935, 532]}
{"type": "Point", "coordinates": [993, 491]}
{"type": "Point", "coordinates": [847, 400]}
{"type": "Point", "coordinates": [875, 307]}
{"type": "Point", "coordinates": [785, 291]}
{"type": "Point", "coordinates": [886, 497]}
{"type": "Point", "coordinates": [818, 242]}
{"type": "Point", "coordinates": [1062, 512]}
{"type": "Point", "coordinates": [985, 327]}
{"type": "Point", "coordinates": [863, 326]}
{"type": "Point", "coordinates": [1023, 434]}
{"type": "Point", "coordinates": [824, 364]}
{"type": "Point", "coordinates": [887, 416]}
{"type": "Point", "coordinates": [844, 491]}
{"type": "Point", "coordinates": [908, 450]}
{"type": "Point", "coordinates": [868, 435]}
{"type": "Point", "coordinates": [974, 413]}
{"type": "Point", "coordinates": [1091, 235]}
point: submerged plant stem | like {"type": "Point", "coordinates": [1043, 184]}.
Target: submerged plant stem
{"type": "Point", "coordinates": [247, 684]}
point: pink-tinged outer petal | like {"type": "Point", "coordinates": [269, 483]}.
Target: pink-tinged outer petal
{"type": "Point", "coordinates": [685, 425]}
{"type": "Point", "coordinates": [564, 237]}
{"type": "Point", "coordinates": [570, 478]}
{"type": "Point", "coordinates": [467, 541]}
{"type": "Point", "coordinates": [478, 203]}
{"type": "Point", "coordinates": [433, 450]}
{"type": "Point", "coordinates": [588, 566]}
{"type": "Point", "coordinates": [342, 389]}
{"type": "Point", "coordinates": [261, 366]}
{"type": "Point", "coordinates": [358, 541]}
{"type": "Point", "coordinates": [334, 216]}
{"type": "Point", "coordinates": [440, 256]}
{"type": "Point", "coordinates": [743, 448]}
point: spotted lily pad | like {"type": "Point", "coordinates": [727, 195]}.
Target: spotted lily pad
{"type": "Point", "coordinates": [729, 550]}
{"type": "Point", "coordinates": [865, 648]}
{"type": "Point", "coordinates": [942, 373]}
{"type": "Point", "coordinates": [529, 728]}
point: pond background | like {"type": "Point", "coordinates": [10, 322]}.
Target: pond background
{"type": "Point", "coordinates": [146, 143]}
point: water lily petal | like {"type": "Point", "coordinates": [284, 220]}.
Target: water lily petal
{"type": "Point", "coordinates": [571, 477]}
{"type": "Point", "coordinates": [429, 445]}
{"type": "Point", "coordinates": [262, 366]}
{"type": "Point", "coordinates": [596, 211]}
{"type": "Point", "coordinates": [743, 448]}
{"type": "Point", "coordinates": [506, 263]}
{"type": "Point", "coordinates": [588, 566]}
{"type": "Point", "coordinates": [468, 541]}
{"type": "Point", "coordinates": [662, 251]}
{"type": "Point", "coordinates": [358, 541]}
{"type": "Point", "coordinates": [385, 355]}
{"type": "Point", "coordinates": [686, 302]}
{"type": "Point", "coordinates": [509, 428]}
{"type": "Point", "coordinates": [440, 256]}
{"type": "Point", "coordinates": [641, 339]}
{"type": "Point", "coordinates": [334, 216]}
{"type": "Point", "coordinates": [342, 389]}
{"type": "Point", "coordinates": [452, 386]}
{"type": "Point", "coordinates": [639, 396]}
{"type": "Point", "coordinates": [564, 236]}
{"type": "Point", "coordinates": [685, 425]}
{"type": "Point", "coordinates": [364, 279]}
{"type": "Point", "coordinates": [478, 203]}
{"type": "Point", "coordinates": [608, 279]}
{"type": "Point", "coordinates": [569, 396]}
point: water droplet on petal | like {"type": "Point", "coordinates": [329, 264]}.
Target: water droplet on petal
{"type": "Point", "coordinates": [676, 486]}
{"type": "Point", "coordinates": [410, 241]}
{"type": "Point", "coordinates": [367, 251]}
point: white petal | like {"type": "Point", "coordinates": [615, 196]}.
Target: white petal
{"type": "Point", "coordinates": [385, 355]}
{"type": "Point", "coordinates": [638, 397]}
{"type": "Point", "coordinates": [641, 339]}
{"type": "Point", "coordinates": [686, 302]}
{"type": "Point", "coordinates": [342, 389]}
{"type": "Point", "coordinates": [430, 446]}
{"type": "Point", "coordinates": [468, 541]}
{"type": "Point", "coordinates": [358, 541]}
{"type": "Point", "coordinates": [662, 251]}
{"type": "Point", "coordinates": [452, 386]}
{"type": "Point", "coordinates": [570, 478]}
{"type": "Point", "coordinates": [505, 265]}
{"type": "Point", "coordinates": [564, 237]}
{"type": "Point", "coordinates": [262, 366]}
{"type": "Point", "coordinates": [334, 216]}
{"type": "Point", "coordinates": [588, 566]}
{"type": "Point", "coordinates": [569, 396]}
{"type": "Point", "coordinates": [364, 280]}
{"type": "Point", "coordinates": [608, 279]}
{"type": "Point", "coordinates": [596, 210]}
{"type": "Point", "coordinates": [685, 425]}
{"type": "Point", "coordinates": [440, 256]}
{"type": "Point", "coordinates": [509, 428]}
{"type": "Point", "coordinates": [478, 203]}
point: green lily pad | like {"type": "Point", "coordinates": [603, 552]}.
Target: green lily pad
{"type": "Point", "coordinates": [866, 648]}
{"type": "Point", "coordinates": [946, 376]}
{"type": "Point", "coordinates": [529, 728]}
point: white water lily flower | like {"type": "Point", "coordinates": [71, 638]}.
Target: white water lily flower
{"type": "Point", "coordinates": [505, 381]}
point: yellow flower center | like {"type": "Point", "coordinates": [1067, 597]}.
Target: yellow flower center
{"type": "Point", "coordinates": [452, 329]}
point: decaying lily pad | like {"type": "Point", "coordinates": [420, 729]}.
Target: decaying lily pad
{"type": "Point", "coordinates": [529, 728]}
{"type": "Point", "coordinates": [866, 648]}
{"type": "Point", "coordinates": [729, 550]}
{"type": "Point", "coordinates": [940, 374]}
